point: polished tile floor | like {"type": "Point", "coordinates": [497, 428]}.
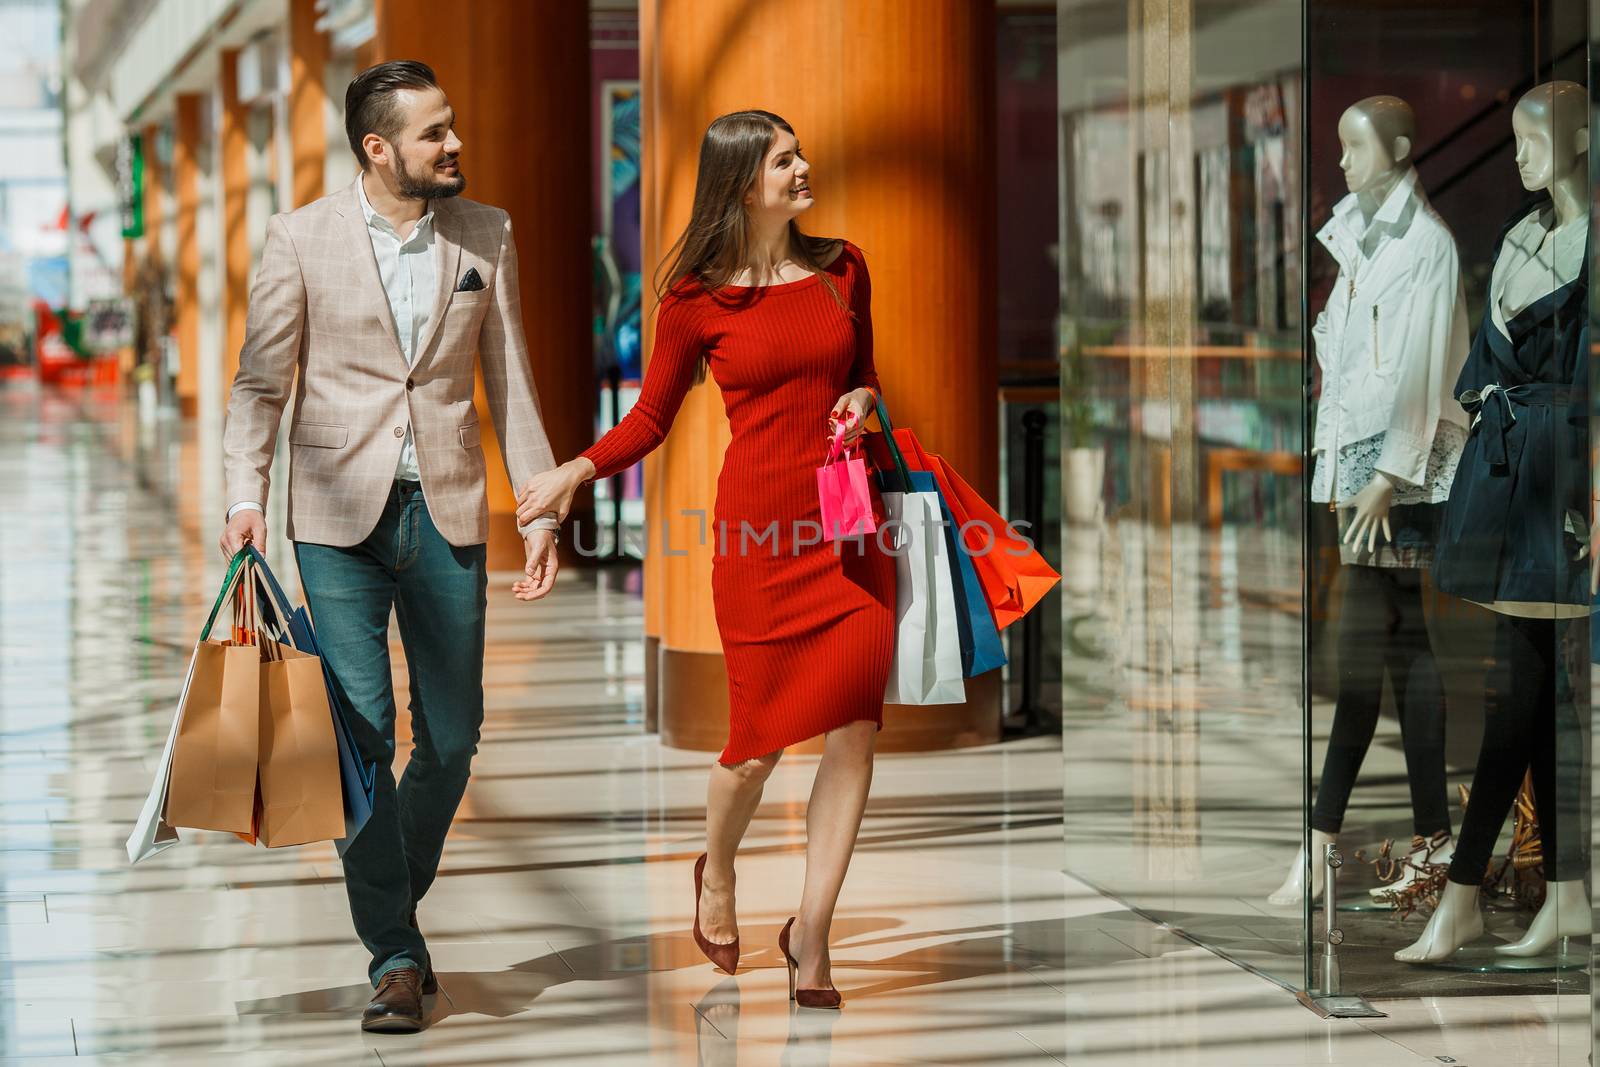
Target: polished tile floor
{"type": "Point", "coordinates": [560, 922]}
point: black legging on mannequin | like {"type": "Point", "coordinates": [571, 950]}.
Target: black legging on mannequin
{"type": "Point", "coordinates": [1382, 628]}
{"type": "Point", "coordinates": [1531, 721]}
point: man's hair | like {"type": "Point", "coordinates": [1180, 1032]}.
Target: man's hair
{"type": "Point", "coordinates": [371, 106]}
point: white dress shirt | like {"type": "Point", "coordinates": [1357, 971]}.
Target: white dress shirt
{"type": "Point", "coordinates": [409, 270]}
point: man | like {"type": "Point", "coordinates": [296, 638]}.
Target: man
{"type": "Point", "coordinates": [379, 296]}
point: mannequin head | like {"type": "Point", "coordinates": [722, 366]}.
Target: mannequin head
{"type": "Point", "coordinates": [1551, 124]}
{"type": "Point", "coordinates": [1375, 138]}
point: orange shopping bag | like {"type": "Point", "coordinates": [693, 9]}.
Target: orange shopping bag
{"type": "Point", "coordinates": [1014, 576]}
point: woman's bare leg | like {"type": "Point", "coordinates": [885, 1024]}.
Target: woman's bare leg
{"type": "Point", "coordinates": [833, 818]}
{"type": "Point", "coordinates": [732, 796]}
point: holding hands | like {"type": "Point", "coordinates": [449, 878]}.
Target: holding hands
{"type": "Point", "coordinates": [543, 494]}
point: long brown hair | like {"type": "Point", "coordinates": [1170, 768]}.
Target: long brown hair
{"type": "Point", "coordinates": [715, 246]}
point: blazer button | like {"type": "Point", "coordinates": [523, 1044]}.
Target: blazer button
{"type": "Point", "coordinates": [399, 431]}
{"type": "Point", "coordinates": [410, 384]}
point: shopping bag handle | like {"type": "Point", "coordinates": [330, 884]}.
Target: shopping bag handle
{"type": "Point", "coordinates": [235, 572]}
{"type": "Point", "coordinates": [279, 599]}
{"type": "Point", "coordinates": [837, 447]}
{"type": "Point", "coordinates": [894, 449]}
{"type": "Point", "coordinates": [279, 604]}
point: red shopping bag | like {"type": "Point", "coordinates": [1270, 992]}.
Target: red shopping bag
{"type": "Point", "coordinates": [1013, 574]}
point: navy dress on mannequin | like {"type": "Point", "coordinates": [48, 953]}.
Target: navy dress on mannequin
{"type": "Point", "coordinates": [1519, 505]}
{"type": "Point", "coordinates": [1515, 539]}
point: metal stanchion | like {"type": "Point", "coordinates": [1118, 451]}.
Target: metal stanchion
{"type": "Point", "coordinates": [1329, 1003]}
{"type": "Point", "coordinates": [1028, 716]}
{"type": "Point", "coordinates": [610, 285]}
{"type": "Point", "coordinates": [617, 552]}
{"type": "Point", "coordinates": [1332, 936]}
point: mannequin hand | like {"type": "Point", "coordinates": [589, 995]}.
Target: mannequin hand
{"type": "Point", "coordinates": [1371, 513]}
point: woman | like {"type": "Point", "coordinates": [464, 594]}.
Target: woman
{"type": "Point", "coordinates": [783, 323]}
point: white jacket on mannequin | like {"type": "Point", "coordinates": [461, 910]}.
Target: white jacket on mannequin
{"type": "Point", "coordinates": [1390, 343]}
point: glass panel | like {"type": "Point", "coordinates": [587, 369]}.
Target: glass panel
{"type": "Point", "coordinates": [1448, 639]}
{"type": "Point", "coordinates": [1182, 437]}
{"type": "Point", "coordinates": [1393, 291]}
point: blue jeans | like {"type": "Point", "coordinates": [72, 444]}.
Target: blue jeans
{"type": "Point", "coordinates": [438, 593]}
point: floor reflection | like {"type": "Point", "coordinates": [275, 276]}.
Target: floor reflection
{"type": "Point", "coordinates": [560, 920]}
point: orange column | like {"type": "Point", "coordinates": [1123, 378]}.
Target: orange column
{"type": "Point", "coordinates": [130, 287]}
{"type": "Point", "coordinates": [894, 103]}
{"type": "Point", "coordinates": [233, 142]}
{"type": "Point", "coordinates": [186, 186]}
{"type": "Point", "coordinates": [515, 73]}
{"type": "Point", "coordinates": [130, 265]}
{"type": "Point", "coordinates": [651, 250]}
{"type": "Point", "coordinates": [308, 99]}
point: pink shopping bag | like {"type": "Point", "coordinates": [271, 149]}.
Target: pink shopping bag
{"type": "Point", "coordinates": [844, 493]}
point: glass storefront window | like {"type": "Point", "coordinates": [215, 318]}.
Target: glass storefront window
{"type": "Point", "coordinates": [1327, 483]}
{"type": "Point", "coordinates": [1181, 322]}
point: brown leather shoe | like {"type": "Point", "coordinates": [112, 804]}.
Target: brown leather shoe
{"type": "Point", "coordinates": [430, 983]}
{"type": "Point", "coordinates": [396, 1007]}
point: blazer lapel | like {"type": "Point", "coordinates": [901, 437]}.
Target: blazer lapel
{"type": "Point", "coordinates": [447, 241]}
{"type": "Point", "coordinates": [367, 264]}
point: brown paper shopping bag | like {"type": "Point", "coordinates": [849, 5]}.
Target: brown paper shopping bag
{"type": "Point", "coordinates": [212, 784]}
{"type": "Point", "coordinates": [213, 777]}
{"type": "Point", "coordinates": [302, 797]}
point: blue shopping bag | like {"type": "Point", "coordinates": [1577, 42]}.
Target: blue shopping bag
{"type": "Point", "coordinates": [981, 648]}
{"type": "Point", "coordinates": [358, 776]}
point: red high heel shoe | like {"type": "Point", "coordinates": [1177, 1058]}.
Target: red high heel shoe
{"type": "Point", "coordinates": [806, 998]}
{"type": "Point", "coordinates": [726, 957]}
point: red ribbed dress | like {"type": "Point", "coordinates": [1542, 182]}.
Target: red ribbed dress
{"type": "Point", "coordinates": [807, 630]}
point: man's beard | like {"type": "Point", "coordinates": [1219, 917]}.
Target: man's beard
{"type": "Point", "coordinates": [420, 187]}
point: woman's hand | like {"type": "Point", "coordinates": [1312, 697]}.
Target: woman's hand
{"type": "Point", "coordinates": [851, 409]}
{"type": "Point", "coordinates": [552, 491]}
{"type": "Point", "coordinates": [1371, 513]}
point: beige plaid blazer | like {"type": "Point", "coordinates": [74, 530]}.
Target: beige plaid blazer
{"type": "Point", "coordinates": [318, 306]}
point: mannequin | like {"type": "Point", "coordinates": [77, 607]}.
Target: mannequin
{"type": "Point", "coordinates": [1391, 340]}
{"type": "Point", "coordinates": [1504, 544]}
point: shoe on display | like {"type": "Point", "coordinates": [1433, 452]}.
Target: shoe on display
{"type": "Point", "coordinates": [1455, 922]}
{"type": "Point", "coordinates": [1293, 889]}
{"type": "Point", "coordinates": [1565, 913]}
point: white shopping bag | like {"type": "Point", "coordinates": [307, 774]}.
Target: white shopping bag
{"type": "Point", "coordinates": [151, 834]}
{"type": "Point", "coordinates": [927, 641]}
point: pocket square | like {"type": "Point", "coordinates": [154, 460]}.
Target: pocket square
{"type": "Point", "coordinates": [470, 282]}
